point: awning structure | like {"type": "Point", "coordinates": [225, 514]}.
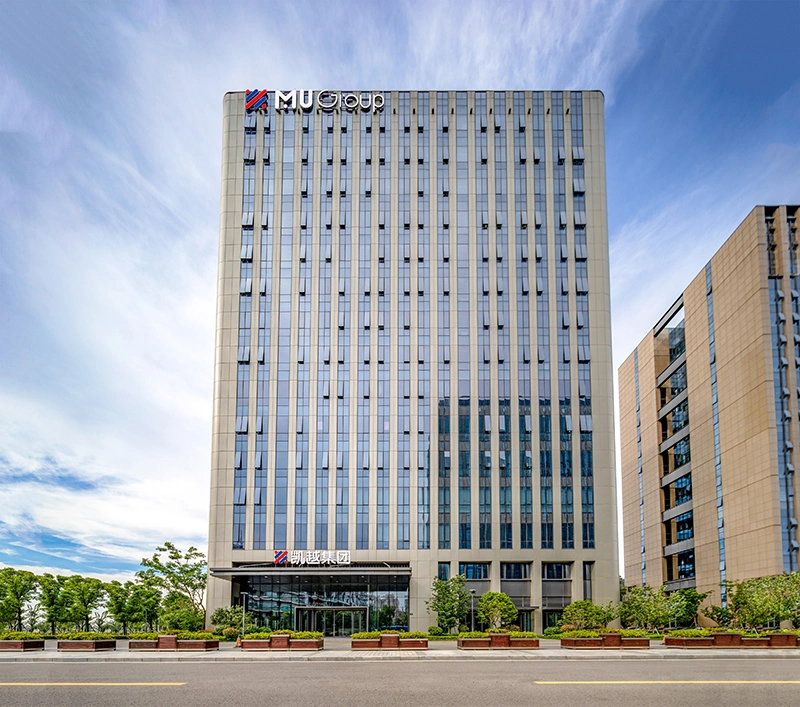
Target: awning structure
{"type": "Point", "coordinates": [271, 570]}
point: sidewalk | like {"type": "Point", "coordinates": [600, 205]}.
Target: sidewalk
{"type": "Point", "coordinates": [338, 649]}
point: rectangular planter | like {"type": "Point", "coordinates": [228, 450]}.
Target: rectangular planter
{"type": "Point", "coordinates": [255, 644]}
{"type": "Point", "coordinates": [414, 643]}
{"type": "Point", "coordinates": [110, 645]}
{"type": "Point", "coordinates": [194, 644]}
{"type": "Point", "coordinates": [26, 644]}
{"type": "Point", "coordinates": [581, 643]}
{"type": "Point", "coordinates": [524, 643]}
{"type": "Point", "coordinates": [279, 642]}
{"type": "Point", "coordinates": [167, 643]}
{"type": "Point", "coordinates": [143, 645]}
{"type": "Point", "coordinates": [678, 642]}
{"type": "Point", "coordinates": [365, 644]}
{"type": "Point", "coordinates": [782, 640]}
{"type": "Point", "coordinates": [306, 644]}
{"type": "Point", "coordinates": [390, 640]}
{"type": "Point", "coordinates": [635, 643]}
{"type": "Point", "coordinates": [474, 643]}
{"type": "Point", "coordinates": [612, 640]}
{"type": "Point", "coordinates": [759, 642]}
{"type": "Point", "coordinates": [727, 640]}
{"type": "Point", "coordinates": [499, 640]}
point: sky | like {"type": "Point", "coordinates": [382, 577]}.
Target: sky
{"type": "Point", "coordinates": [110, 143]}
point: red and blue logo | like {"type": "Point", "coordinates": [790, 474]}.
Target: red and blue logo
{"type": "Point", "coordinates": [281, 556]}
{"type": "Point", "coordinates": [255, 99]}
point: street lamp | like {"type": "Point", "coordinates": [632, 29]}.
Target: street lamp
{"type": "Point", "coordinates": [244, 596]}
{"type": "Point", "coordinates": [472, 602]}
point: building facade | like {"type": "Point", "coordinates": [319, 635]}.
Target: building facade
{"type": "Point", "coordinates": [709, 419]}
{"type": "Point", "coordinates": [413, 357]}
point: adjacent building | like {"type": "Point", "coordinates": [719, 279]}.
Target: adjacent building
{"type": "Point", "coordinates": [413, 357]}
{"type": "Point", "coordinates": [709, 419]}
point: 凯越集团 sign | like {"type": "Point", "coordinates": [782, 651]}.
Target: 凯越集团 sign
{"type": "Point", "coordinates": [325, 100]}
{"type": "Point", "coordinates": [312, 557]}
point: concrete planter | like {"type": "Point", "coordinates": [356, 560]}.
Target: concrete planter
{"type": "Point", "coordinates": [306, 644]}
{"type": "Point", "coordinates": [524, 643]}
{"type": "Point", "coordinates": [474, 643]}
{"type": "Point", "coordinates": [25, 644]}
{"type": "Point", "coordinates": [390, 640]}
{"type": "Point", "coordinates": [727, 640]}
{"type": "Point", "coordinates": [365, 644]}
{"type": "Point", "coordinates": [255, 644]}
{"type": "Point", "coordinates": [419, 644]}
{"type": "Point", "coordinates": [581, 643]}
{"type": "Point", "coordinates": [680, 642]}
{"type": "Point", "coordinates": [782, 640]}
{"type": "Point", "coordinates": [195, 644]}
{"type": "Point", "coordinates": [103, 645]}
{"type": "Point", "coordinates": [499, 640]}
{"type": "Point", "coordinates": [279, 641]}
{"type": "Point", "coordinates": [143, 645]}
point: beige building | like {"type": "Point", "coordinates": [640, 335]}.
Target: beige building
{"type": "Point", "coordinates": [413, 359]}
{"type": "Point", "coordinates": [709, 419]}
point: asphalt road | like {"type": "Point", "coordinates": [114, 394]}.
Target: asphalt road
{"type": "Point", "coordinates": [759, 681]}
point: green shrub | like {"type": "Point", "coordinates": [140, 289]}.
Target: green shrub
{"type": "Point", "coordinates": [585, 614]}
{"type": "Point", "coordinates": [366, 634]}
{"type": "Point", "coordinates": [435, 631]}
{"type": "Point", "coordinates": [195, 636]}
{"type": "Point", "coordinates": [230, 633]}
{"type": "Point", "coordinates": [307, 634]}
{"type": "Point", "coordinates": [389, 630]}
{"type": "Point", "coordinates": [413, 634]}
{"type": "Point", "coordinates": [690, 633]}
{"type": "Point", "coordinates": [498, 630]}
{"type": "Point", "coordinates": [473, 634]}
{"type": "Point", "coordinates": [84, 636]}
{"type": "Point", "coordinates": [552, 632]}
{"type": "Point", "coordinates": [523, 634]}
{"type": "Point", "coordinates": [257, 636]}
{"type": "Point", "coordinates": [635, 633]}
{"type": "Point", "coordinates": [581, 634]}
{"type": "Point", "coordinates": [143, 636]}
{"type": "Point", "coordinates": [282, 632]}
{"type": "Point", "coordinates": [20, 636]}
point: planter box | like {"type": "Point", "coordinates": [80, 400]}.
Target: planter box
{"type": "Point", "coordinates": [167, 643]}
{"type": "Point", "coordinates": [635, 643]}
{"type": "Point", "coordinates": [474, 643]}
{"type": "Point", "coordinates": [414, 643]}
{"type": "Point", "coordinates": [306, 644]}
{"type": "Point", "coordinates": [759, 642]}
{"type": "Point", "coordinates": [727, 640]}
{"type": "Point", "coordinates": [25, 644]}
{"type": "Point", "coordinates": [143, 645]}
{"type": "Point", "coordinates": [390, 640]}
{"type": "Point", "coordinates": [526, 643]}
{"type": "Point", "coordinates": [782, 640]}
{"type": "Point", "coordinates": [676, 642]}
{"type": "Point", "coordinates": [279, 641]}
{"type": "Point", "coordinates": [581, 643]}
{"type": "Point", "coordinates": [198, 644]}
{"type": "Point", "coordinates": [255, 644]}
{"type": "Point", "coordinates": [612, 640]}
{"type": "Point", "coordinates": [110, 645]}
{"type": "Point", "coordinates": [499, 640]}
{"type": "Point", "coordinates": [365, 644]}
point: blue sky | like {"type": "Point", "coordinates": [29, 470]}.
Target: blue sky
{"type": "Point", "coordinates": [110, 136]}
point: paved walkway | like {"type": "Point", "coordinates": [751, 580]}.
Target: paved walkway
{"type": "Point", "coordinates": [338, 649]}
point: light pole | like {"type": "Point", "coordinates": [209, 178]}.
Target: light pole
{"type": "Point", "coordinates": [244, 608]}
{"type": "Point", "coordinates": [472, 602]}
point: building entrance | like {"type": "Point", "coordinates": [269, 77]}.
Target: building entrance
{"type": "Point", "coordinates": [331, 622]}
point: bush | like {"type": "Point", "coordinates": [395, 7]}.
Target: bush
{"type": "Point", "coordinates": [84, 636]}
{"type": "Point", "coordinates": [413, 634]}
{"type": "Point", "coordinates": [143, 636]}
{"type": "Point", "coordinates": [307, 634]}
{"type": "Point", "coordinates": [435, 631]}
{"type": "Point", "coordinates": [257, 636]}
{"type": "Point", "coordinates": [496, 609]}
{"type": "Point", "coordinates": [523, 634]}
{"type": "Point", "coordinates": [552, 632]}
{"type": "Point", "coordinates": [195, 636]}
{"type": "Point", "coordinates": [367, 634]}
{"type": "Point", "coordinates": [473, 634]}
{"type": "Point", "coordinates": [462, 628]}
{"type": "Point", "coordinates": [690, 633]}
{"type": "Point", "coordinates": [581, 634]}
{"type": "Point", "coordinates": [19, 636]}
{"type": "Point", "coordinates": [230, 633]}
{"type": "Point", "coordinates": [585, 614]}
{"type": "Point", "coordinates": [498, 630]}
{"type": "Point", "coordinates": [389, 630]}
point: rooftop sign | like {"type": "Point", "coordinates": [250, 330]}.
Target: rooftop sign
{"type": "Point", "coordinates": [311, 557]}
{"type": "Point", "coordinates": [327, 101]}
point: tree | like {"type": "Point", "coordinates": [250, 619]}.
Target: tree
{"type": "Point", "coordinates": [179, 614]}
{"type": "Point", "coordinates": [54, 599]}
{"type": "Point", "coordinates": [83, 596]}
{"type": "Point", "coordinates": [450, 599]}
{"type": "Point", "coordinates": [16, 588]}
{"type": "Point", "coordinates": [180, 573]}
{"type": "Point", "coordinates": [644, 607]}
{"type": "Point", "coordinates": [585, 614]}
{"type": "Point", "coordinates": [133, 602]}
{"type": "Point", "coordinates": [683, 604]}
{"type": "Point", "coordinates": [496, 609]}
{"type": "Point", "coordinates": [231, 616]}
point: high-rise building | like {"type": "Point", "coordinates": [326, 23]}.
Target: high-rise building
{"type": "Point", "coordinates": [413, 358]}
{"type": "Point", "coordinates": [709, 419]}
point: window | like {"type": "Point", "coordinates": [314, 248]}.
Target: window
{"type": "Point", "coordinates": [444, 570]}
{"type": "Point", "coordinates": [474, 570]}
{"type": "Point", "coordinates": [515, 570]}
